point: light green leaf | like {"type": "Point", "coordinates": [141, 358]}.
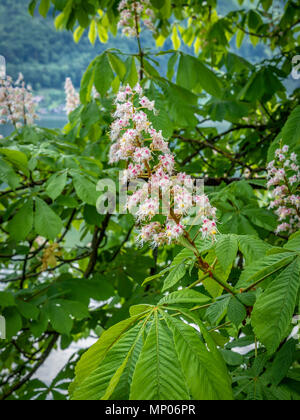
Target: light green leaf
{"type": "Point", "coordinates": [265, 267]}
{"type": "Point", "coordinates": [7, 299]}
{"type": "Point", "coordinates": [205, 372]}
{"type": "Point", "coordinates": [104, 75]}
{"type": "Point", "coordinates": [294, 242]}
{"type": "Point", "coordinates": [226, 250]}
{"type": "Point", "coordinates": [28, 310]}
{"type": "Point", "coordinates": [158, 374]}
{"type": "Point", "coordinates": [185, 296]}
{"type": "Point", "coordinates": [85, 189]}
{"type": "Point", "coordinates": [59, 318]}
{"type": "Point", "coordinates": [176, 38]}
{"type": "Point", "coordinates": [47, 223]}
{"type": "Point", "coordinates": [236, 311]}
{"type": "Point", "coordinates": [56, 185]}
{"type": "Point", "coordinates": [140, 309]}
{"type": "Point", "coordinates": [44, 7]}
{"type": "Point", "coordinates": [175, 276]}
{"type": "Point", "coordinates": [274, 309]}
{"type": "Point", "coordinates": [21, 225]}
{"type": "Point", "coordinates": [93, 358]}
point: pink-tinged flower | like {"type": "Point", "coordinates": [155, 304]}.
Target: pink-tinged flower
{"type": "Point", "coordinates": [141, 121]}
{"type": "Point", "coordinates": [293, 180]}
{"type": "Point", "coordinates": [174, 231]}
{"type": "Point", "coordinates": [168, 163]}
{"type": "Point", "coordinates": [209, 228]}
{"type": "Point", "coordinates": [145, 103]}
{"type": "Point", "coordinates": [141, 155]}
{"type": "Point", "coordinates": [284, 227]}
{"type": "Point", "coordinates": [138, 89]}
{"type": "Point", "coordinates": [294, 157]}
{"type": "Point", "coordinates": [285, 149]}
{"type": "Point", "coordinates": [158, 142]}
{"type": "Point", "coordinates": [129, 11]}
{"type": "Point", "coordinates": [148, 209]}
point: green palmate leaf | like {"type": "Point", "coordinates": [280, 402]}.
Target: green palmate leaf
{"type": "Point", "coordinates": [13, 322]}
{"type": "Point", "coordinates": [176, 39]}
{"type": "Point", "coordinates": [44, 7]}
{"type": "Point", "coordinates": [8, 175]}
{"type": "Point", "coordinates": [16, 158]}
{"type": "Point", "coordinates": [85, 189]}
{"type": "Point", "coordinates": [263, 268]}
{"type": "Point", "coordinates": [117, 65]}
{"type": "Point", "coordinates": [282, 362]}
{"type": "Point", "coordinates": [226, 250]}
{"type": "Point", "coordinates": [101, 383]}
{"type": "Point", "coordinates": [47, 223]}
{"type": "Point", "coordinates": [231, 358]}
{"type": "Point", "coordinates": [273, 311]}
{"type": "Point", "coordinates": [185, 296]}
{"type": "Point", "coordinates": [236, 311]}
{"type": "Point", "coordinates": [140, 309]}
{"type": "Point", "coordinates": [290, 134]}
{"type": "Point", "coordinates": [56, 185]}
{"type": "Point", "coordinates": [293, 243]}
{"type": "Point", "coordinates": [217, 311]}
{"type": "Point", "coordinates": [7, 299]}
{"type": "Point", "coordinates": [28, 310]}
{"type": "Point", "coordinates": [131, 76]}
{"type": "Point", "coordinates": [75, 309]}
{"type": "Point", "coordinates": [21, 225]}
{"type": "Point", "coordinates": [93, 32]}
{"type": "Point", "coordinates": [59, 318]}
{"type": "Point", "coordinates": [205, 372]}
{"type": "Point", "coordinates": [192, 73]}
{"type": "Point", "coordinates": [252, 248]}
{"type": "Point", "coordinates": [93, 358]}
{"type": "Point", "coordinates": [175, 276]}
{"type": "Point", "coordinates": [87, 83]}
{"type": "Point", "coordinates": [262, 218]}
{"type": "Point", "coordinates": [158, 375]}
{"type": "Point", "coordinates": [103, 75]}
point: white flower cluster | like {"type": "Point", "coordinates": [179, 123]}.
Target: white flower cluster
{"type": "Point", "coordinates": [284, 178]}
{"type": "Point", "coordinates": [72, 96]}
{"type": "Point", "coordinates": [17, 104]}
{"type": "Point", "coordinates": [149, 158]}
{"type": "Point", "coordinates": [132, 13]}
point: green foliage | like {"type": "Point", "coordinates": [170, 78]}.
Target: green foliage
{"type": "Point", "coordinates": [199, 320]}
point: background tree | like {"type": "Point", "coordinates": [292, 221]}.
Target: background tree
{"type": "Point", "coordinates": [57, 253]}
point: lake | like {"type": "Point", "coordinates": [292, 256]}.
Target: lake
{"type": "Point", "coordinates": [45, 121]}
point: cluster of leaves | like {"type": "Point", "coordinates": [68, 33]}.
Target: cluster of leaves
{"type": "Point", "coordinates": [69, 273]}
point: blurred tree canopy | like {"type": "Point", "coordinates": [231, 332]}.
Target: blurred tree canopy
{"type": "Point", "coordinates": [68, 273]}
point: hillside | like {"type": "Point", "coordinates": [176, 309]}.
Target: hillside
{"type": "Point", "coordinates": [43, 55]}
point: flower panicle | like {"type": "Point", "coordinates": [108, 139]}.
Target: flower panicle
{"type": "Point", "coordinates": [17, 103]}
{"type": "Point", "coordinates": [283, 183]}
{"type": "Point", "coordinates": [149, 158]}
{"type": "Point", "coordinates": [132, 14]}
